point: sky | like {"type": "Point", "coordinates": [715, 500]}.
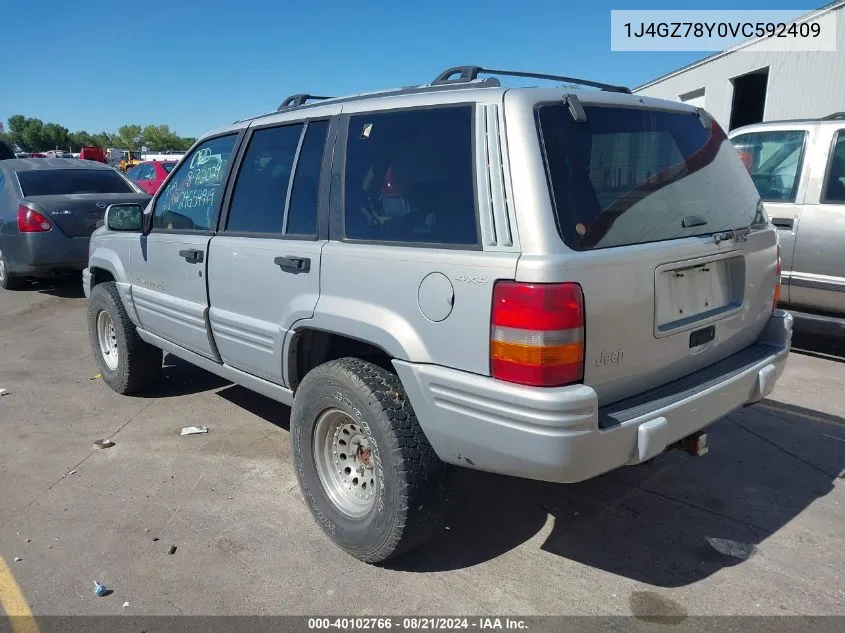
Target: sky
{"type": "Point", "coordinates": [195, 65]}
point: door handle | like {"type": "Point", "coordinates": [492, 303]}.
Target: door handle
{"type": "Point", "coordinates": [293, 264]}
{"type": "Point", "coordinates": [783, 223]}
{"type": "Point", "coordinates": [191, 255]}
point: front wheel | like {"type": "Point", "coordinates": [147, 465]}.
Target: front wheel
{"type": "Point", "coordinates": [126, 363]}
{"type": "Point", "coordinates": [369, 476]}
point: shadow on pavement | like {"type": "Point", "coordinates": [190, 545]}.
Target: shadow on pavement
{"type": "Point", "coordinates": [266, 408]}
{"type": "Point", "coordinates": [828, 348]}
{"type": "Point", "coordinates": [181, 378]}
{"type": "Point", "coordinates": [650, 523]}
{"type": "Point", "coordinates": [67, 287]}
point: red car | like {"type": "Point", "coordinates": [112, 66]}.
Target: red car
{"type": "Point", "coordinates": [150, 174]}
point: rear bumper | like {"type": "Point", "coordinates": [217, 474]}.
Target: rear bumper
{"type": "Point", "coordinates": [561, 434]}
{"type": "Point", "coordinates": [43, 253]}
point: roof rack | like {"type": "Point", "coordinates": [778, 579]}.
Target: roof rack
{"type": "Point", "coordinates": [470, 73]}
{"type": "Point", "coordinates": [836, 116]}
{"type": "Point", "coordinates": [297, 100]}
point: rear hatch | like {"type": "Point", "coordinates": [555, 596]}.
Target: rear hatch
{"type": "Point", "coordinates": [646, 202]}
{"type": "Point", "coordinates": [75, 200]}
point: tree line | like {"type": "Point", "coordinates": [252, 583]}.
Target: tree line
{"type": "Point", "coordinates": [33, 135]}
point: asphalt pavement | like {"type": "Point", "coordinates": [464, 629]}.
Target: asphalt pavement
{"type": "Point", "coordinates": [632, 542]}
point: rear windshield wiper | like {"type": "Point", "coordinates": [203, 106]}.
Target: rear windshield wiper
{"type": "Point", "coordinates": [693, 220]}
{"type": "Point", "coordinates": [737, 235]}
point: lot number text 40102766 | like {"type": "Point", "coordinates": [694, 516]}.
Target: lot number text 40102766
{"type": "Point", "coordinates": [417, 624]}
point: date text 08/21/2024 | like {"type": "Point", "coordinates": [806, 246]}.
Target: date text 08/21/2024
{"type": "Point", "coordinates": [416, 623]}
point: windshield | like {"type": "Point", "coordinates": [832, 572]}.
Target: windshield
{"type": "Point", "coordinates": [774, 161]}
{"type": "Point", "coordinates": [631, 176]}
{"type": "Point", "coordinates": [53, 182]}
{"type": "Point", "coordinates": [168, 167]}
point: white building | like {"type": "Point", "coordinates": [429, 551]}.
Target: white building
{"type": "Point", "coordinates": [745, 84]}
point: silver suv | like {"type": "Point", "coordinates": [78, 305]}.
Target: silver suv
{"type": "Point", "coordinates": [799, 169]}
{"type": "Point", "coordinates": [537, 282]}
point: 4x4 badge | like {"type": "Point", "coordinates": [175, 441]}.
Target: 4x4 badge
{"type": "Point", "coordinates": [472, 279]}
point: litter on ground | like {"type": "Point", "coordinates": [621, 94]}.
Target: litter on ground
{"type": "Point", "coordinates": [194, 430]}
{"type": "Point", "coordinates": [728, 547]}
{"type": "Point", "coordinates": [103, 443]}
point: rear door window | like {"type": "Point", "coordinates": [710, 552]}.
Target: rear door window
{"type": "Point", "coordinates": [261, 189]}
{"type": "Point", "coordinates": [774, 161]}
{"type": "Point", "coordinates": [54, 182]}
{"type": "Point", "coordinates": [632, 176]}
{"type": "Point", "coordinates": [304, 198]}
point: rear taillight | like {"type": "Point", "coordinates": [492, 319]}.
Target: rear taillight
{"type": "Point", "coordinates": [30, 221]}
{"type": "Point", "coordinates": [537, 335]}
{"type": "Point", "coordinates": [778, 273]}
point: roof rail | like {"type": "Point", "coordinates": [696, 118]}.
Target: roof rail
{"type": "Point", "coordinates": [298, 100]}
{"type": "Point", "coordinates": [836, 116]}
{"type": "Point", "coordinates": [470, 73]}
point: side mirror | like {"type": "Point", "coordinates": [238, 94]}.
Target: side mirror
{"type": "Point", "coordinates": [125, 217]}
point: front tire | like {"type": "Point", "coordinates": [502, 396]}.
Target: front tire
{"type": "Point", "coordinates": [368, 474]}
{"type": "Point", "coordinates": [126, 363]}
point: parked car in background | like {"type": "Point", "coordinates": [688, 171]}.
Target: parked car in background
{"type": "Point", "coordinates": [798, 167]}
{"type": "Point", "coordinates": [6, 151]}
{"type": "Point", "coordinates": [578, 290]}
{"type": "Point", "coordinates": [48, 210]}
{"type": "Point", "coordinates": [150, 174]}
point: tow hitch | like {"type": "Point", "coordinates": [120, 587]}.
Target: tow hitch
{"type": "Point", "coordinates": [695, 444]}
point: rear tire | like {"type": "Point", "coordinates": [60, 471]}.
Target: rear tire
{"type": "Point", "coordinates": [126, 363]}
{"type": "Point", "coordinates": [368, 474]}
{"type": "Point", "coordinates": [7, 280]}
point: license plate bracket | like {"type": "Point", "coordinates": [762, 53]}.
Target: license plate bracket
{"type": "Point", "coordinates": [694, 293]}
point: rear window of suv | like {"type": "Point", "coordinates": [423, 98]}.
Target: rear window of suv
{"type": "Point", "coordinates": [632, 176]}
{"type": "Point", "coordinates": [53, 182]}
